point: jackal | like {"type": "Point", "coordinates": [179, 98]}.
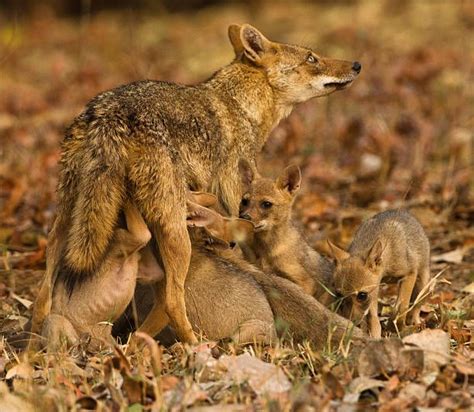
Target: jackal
{"type": "Point", "coordinates": [390, 244]}
{"type": "Point", "coordinates": [278, 246]}
{"type": "Point", "coordinates": [154, 140]}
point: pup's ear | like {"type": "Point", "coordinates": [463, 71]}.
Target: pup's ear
{"type": "Point", "coordinates": [234, 37]}
{"type": "Point", "coordinates": [199, 216]}
{"type": "Point", "coordinates": [290, 179]}
{"type": "Point", "coordinates": [215, 243]}
{"type": "Point", "coordinates": [337, 253]}
{"type": "Point", "coordinates": [246, 173]}
{"type": "Point", "coordinates": [374, 258]}
{"type": "Point", "coordinates": [241, 230]}
{"type": "Point", "coordinates": [203, 198]}
{"type": "Point", "coordinates": [254, 43]}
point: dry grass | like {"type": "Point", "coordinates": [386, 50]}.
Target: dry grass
{"type": "Point", "coordinates": [401, 136]}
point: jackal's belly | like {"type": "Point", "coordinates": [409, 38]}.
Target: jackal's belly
{"type": "Point", "coordinates": [103, 299]}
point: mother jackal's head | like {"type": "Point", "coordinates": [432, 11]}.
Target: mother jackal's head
{"type": "Point", "coordinates": [295, 73]}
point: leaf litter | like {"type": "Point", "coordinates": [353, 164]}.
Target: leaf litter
{"type": "Point", "coordinates": [400, 137]}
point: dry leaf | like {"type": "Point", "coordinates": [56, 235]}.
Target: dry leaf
{"type": "Point", "coordinates": [434, 342]}
{"type": "Point", "coordinates": [262, 377]}
{"type": "Point", "coordinates": [455, 256]}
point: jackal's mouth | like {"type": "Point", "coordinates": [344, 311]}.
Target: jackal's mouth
{"type": "Point", "coordinates": [338, 85]}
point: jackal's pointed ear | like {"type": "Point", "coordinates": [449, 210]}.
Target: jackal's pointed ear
{"type": "Point", "coordinates": [290, 179]}
{"type": "Point", "coordinates": [246, 173]}
{"type": "Point", "coordinates": [234, 37]}
{"type": "Point", "coordinates": [203, 198]}
{"type": "Point", "coordinates": [374, 258]}
{"type": "Point", "coordinates": [199, 216]}
{"type": "Point", "coordinates": [254, 43]}
{"type": "Point", "coordinates": [241, 230]}
{"type": "Point", "coordinates": [337, 253]}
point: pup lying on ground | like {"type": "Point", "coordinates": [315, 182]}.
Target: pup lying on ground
{"type": "Point", "coordinates": [390, 244]}
{"type": "Point", "coordinates": [278, 245]}
{"type": "Point", "coordinates": [92, 307]}
{"type": "Point", "coordinates": [227, 297]}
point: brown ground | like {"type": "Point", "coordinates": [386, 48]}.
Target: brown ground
{"type": "Point", "coordinates": [401, 136]}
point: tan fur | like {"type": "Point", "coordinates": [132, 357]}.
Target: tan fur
{"type": "Point", "coordinates": [95, 304]}
{"type": "Point", "coordinates": [227, 297]}
{"type": "Point", "coordinates": [155, 140]}
{"type": "Point", "coordinates": [278, 246]}
{"type": "Point", "coordinates": [221, 301]}
{"type": "Point", "coordinates": [390, 244]}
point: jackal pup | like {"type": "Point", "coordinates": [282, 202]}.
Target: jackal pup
{"type": "Point", "coordinates": [279, 246]}
{"type": "Point", "coordinates": [390, 244]}
{"type": "Point", "coordinates": [221, 300]}
{"type": "Point", "coordinates": [92, 307]}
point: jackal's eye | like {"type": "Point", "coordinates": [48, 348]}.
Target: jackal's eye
{"type": "Point", "coordinates": [244, 202]}
{"type": "Point", "coordinates": [266, 204]}
{"type": "Point", "coordinates": [362, 296]}
{"type": "Point", "coordinates": [311, 59]}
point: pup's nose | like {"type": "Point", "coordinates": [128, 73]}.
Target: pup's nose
{"type": "Point", "coordinates": [245, 216]}
{"type": "Point", "coordinates": [356, 66]}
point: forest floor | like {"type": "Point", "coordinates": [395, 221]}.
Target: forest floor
{"type": "Point", "coordinates": [401, 136]}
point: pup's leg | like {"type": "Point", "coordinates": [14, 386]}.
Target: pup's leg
{"type": "Point", "coordinates": [160, 193]}
{"type": "Point", "coordinates": [375, 328]}
{"type": "Point", "coordinates": [255, 330]}
{"type": "Point", "coordinates": [137, 228]}
{"type": "Point", "coordinates": [404, 295]}
{"type": "Point", "coordinates": [422, 280]}
{"type": "Point", "coordinates": [42, 305]}
{"type": "Point", "coordinates": [58, 331]}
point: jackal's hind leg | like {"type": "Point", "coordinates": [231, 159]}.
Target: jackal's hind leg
{"type": "Point", "coordinates": [160, 193]}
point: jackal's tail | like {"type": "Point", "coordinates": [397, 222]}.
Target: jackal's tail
{"type": "Point", "coordinates": [93, 219]}
{"type": "Point", "coordinates": [96, 194]}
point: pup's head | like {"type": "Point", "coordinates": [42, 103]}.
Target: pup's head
{"type": "Point", "coordinates": [214, 230]}
{"type": "Point", "coordinates": [267, 203]}
{"type": "Point", "coordinates": [355, 280]}
{"type": "Point", "coordinates": [295, 73]}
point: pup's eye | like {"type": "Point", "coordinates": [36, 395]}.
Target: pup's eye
{"type": "Point", "coordinates": [232, 245]}
{"type": "Point", "coordinates": [362, 296]}
{"type": "Point", "coordinates": [311, 59]}
{"type": "Point", "coordinates": [266, 204]}
{"type": "Point", "coordinates": [339, 295]}
{"type": "Point", "coordinates": [244, 202]}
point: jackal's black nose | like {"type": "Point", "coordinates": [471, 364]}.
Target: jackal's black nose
{"type": "Point", "coordinates": [356, 66]}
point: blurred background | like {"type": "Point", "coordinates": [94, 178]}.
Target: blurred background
{"type": "Point", "coordinates": [401, 135]}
